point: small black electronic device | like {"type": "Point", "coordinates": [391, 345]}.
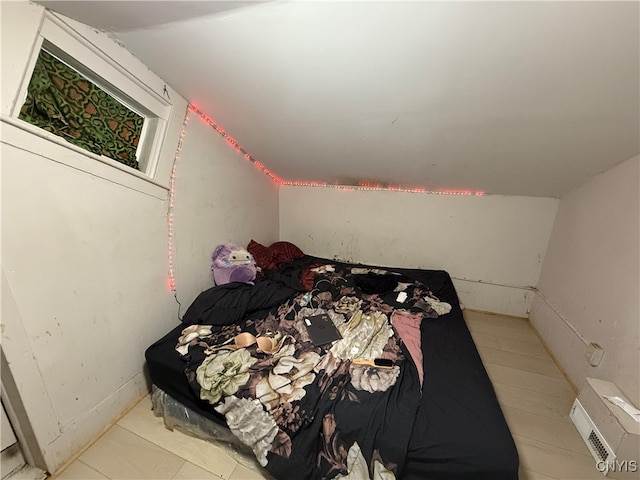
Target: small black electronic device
{"type": "Point", "coordinates": [321, 329]}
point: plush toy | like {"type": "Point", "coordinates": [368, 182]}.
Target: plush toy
{"type": "Point", "coordinates": [230, 263]}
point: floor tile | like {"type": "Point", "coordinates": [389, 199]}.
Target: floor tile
{"type": "Point", "coordinates": [243, 473]}
{"type": "Point", "coordinates": [543, 366]}
{"type": "Point", "coordinates": [544, 429]}
{"type": "Point", "coordinates": [520, 332]}
{"type": "Point", "coordinates": [141, 421]}
{"type": "Point", "coordinates": [555, 462]}
{"type": "Point", "coordinates": [120, 454]}
{"type": "Point", "coordinates": [79, 471]}
{"type": "Point", "coordinates": [519, 335]}
{"type": "Point", "coordinates": [189, 471]}
{"type": "Point", "coordinates": [485, 340]}
{"type": "Point", "coordinates": [529, 475]}
{"type": "Point", "coordinates": [523, 347]}
{"type": "Point", "coordinates": [538, 403]}
{"type": "Point", "coordinates": [557, 387]}
{"type": "Point", "coordinates": [497, 319]}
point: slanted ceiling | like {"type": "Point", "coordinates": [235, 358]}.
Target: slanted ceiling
{"type": "Point", "coordinates": [514, 98]}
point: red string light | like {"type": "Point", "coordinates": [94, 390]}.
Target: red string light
{"type": "Point", "coordinates": [171, 280]}
{"type": "Point", "coordinates": [236, 146]}
{"type": "Point", "coordinates": [363, 186]}
{"type": "Point", "coordinates": [381, 188]}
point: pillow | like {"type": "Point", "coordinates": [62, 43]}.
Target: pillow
{"type": "Point", "coordinates": [268, 258]}
{"type": "Point", "coordinates": [261, 255]}
{"type": "Point", "coordinates": [230, 263]}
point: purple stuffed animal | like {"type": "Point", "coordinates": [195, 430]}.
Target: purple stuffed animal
{"type": "Point", "coordinates": [231, 263]}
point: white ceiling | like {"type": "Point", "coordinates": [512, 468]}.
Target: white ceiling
{"type": "Point", "coordinates": [121, 15]}
{"type": "Point", "coordinates": [514, 98]}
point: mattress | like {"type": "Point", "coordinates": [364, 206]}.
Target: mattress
{"type": "Point", "coordinates": [457, 430]}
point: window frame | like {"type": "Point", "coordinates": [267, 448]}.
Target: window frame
{"type": "Point", "coordinates": [66, 44]}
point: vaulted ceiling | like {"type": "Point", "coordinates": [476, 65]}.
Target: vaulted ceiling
{"type": "Point", "coordinates": [514, 98]}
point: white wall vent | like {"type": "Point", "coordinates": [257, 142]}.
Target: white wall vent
{"type": "Point", "coordinates": [611, 434]}
{"type": "Point", "coordinates": [596, 443]}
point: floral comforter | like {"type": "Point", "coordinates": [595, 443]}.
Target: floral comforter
{"type": "Point", "coordinates": [309, 411]}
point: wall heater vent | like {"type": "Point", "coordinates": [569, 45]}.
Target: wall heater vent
{"type": "Point", "coordinates": [596, 443]}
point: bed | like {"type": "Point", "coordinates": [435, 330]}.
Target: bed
{"type": "Point", "coordinates": [247, 362]}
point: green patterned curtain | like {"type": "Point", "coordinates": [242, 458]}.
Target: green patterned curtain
{"type": "Point", "coordinates": [63, 102]}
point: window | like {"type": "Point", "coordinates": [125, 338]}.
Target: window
{"type": "Point", "coordinates": [62, 101]}
{"type": "Point", "coordinates": [80, 92]}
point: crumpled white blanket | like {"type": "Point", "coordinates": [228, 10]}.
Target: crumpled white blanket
{"type": "Point", "coordinates": [250, 423]}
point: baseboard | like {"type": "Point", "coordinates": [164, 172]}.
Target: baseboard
{"type": "Point", "coordinates": [77, 435]}
{"type": "Point", "coordinates": [491, 297]}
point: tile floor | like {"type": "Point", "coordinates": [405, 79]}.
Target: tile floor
{"type": "Point", "coordinates": [533, 393]}
{"type": "Point", "coordinates": [535, 398]}
{"type": "Point", "coordinates": [139, 447]}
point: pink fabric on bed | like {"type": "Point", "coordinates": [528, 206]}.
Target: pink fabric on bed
{"type": "Point", "coordinates": [407, 325]}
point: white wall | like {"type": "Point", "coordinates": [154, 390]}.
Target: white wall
{"type": "Point", "coordinates": [220, 197]}
{"type": "Point", "coordinates": [492, 245]}
{"type": "Point", "coordinates": [84, 254]}
{"type": "Point", "coordinates": [590, 278]}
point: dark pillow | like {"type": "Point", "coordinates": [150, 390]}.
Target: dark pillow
{"type": "Point", "coordinates": [268, 258]}
{"type": "Point", "coordinates": [261, 254]}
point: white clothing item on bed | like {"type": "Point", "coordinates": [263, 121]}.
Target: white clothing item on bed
{"type": "Point", "coordinates": [347, 305]}
{"type": "Point", "coordinates": [324, 269]}
{"type": "Point", "coordinates": [363, 336]}
{"type": "Point", "coordinates": [190, 335]}
{"type": "Point", "coordinates": [402, 287]}
{"type": "Point", "coordinates": [441, 308]}
{"type": "Point", "coordinates": [377, 271]}
{"type": "Point", "coordinates": [358, 469]}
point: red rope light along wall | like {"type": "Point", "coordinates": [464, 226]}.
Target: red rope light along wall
{"type": "Point", "coordinates": [247, 156]}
